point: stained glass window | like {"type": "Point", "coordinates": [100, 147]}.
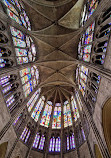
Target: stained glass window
{"type": "Point", "coordinates": [70, 142]}
{"type": "Point", "coordinates": [36, 140]}
{"type": "Point", "coordinates": [25, 134]}
{"type": "Point", "coordinates": [46, 114]}
{"type": "Point", "coordinates": [29, 79]}
{"type": "Point", "coordinates": [67, 114]}
{"type": "Point", "coordinates": [24, 46]}
{"type": "Point", "coordinates": [81, 78]}
{"type": "Point", "coordinates": [83, 134]}
{"type": "Point", "coordinates": [55, 144]}
{"type": "Point", "coordinates": [39, 142]}
{"type": "Point", "coordinates": [37, 111]}
{"type": "Point", "coordinates": [84, 50]}
{"type": "Point", "coordinates": [33, 100]}
{"type": "Point", "coordinates": [8, 87]}
{"type": "Point", "coordinates": [56, 123]}
{"type": "Point", "coordinates": [15, 10]}
{"type": "Point", "coordinates": [88, 10]}
{"type": "Point", "coordinates": [16, 120]}
{"type": "Point", "coordinates": [42, 141]}
{"type": "Point", "coordinates": [78, 100]}
{"type": "Point", "coordinates": [74, 109]}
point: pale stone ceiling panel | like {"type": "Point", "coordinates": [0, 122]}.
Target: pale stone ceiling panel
{"type": "Point", "coordinates": [71, 19]}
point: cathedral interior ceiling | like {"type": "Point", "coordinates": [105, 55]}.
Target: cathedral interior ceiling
{"type": "Point", "coordinates": [56, 36]}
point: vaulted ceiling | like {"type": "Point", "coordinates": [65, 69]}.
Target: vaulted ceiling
{"type": "Point", "coordinates": [55, 26]}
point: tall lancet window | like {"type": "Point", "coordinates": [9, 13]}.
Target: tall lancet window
{"type": "Point", "coordinates": [39, 141]}
{"type": "Point", "coordinates": [33, 100]}
{"type": "Point", "coordinates": [29, 78]}
{"type": "Point", "coordinates": [46, 114]}
{"type": "Point", "coordinates": [55, 144]}
{"type": "Point", "coordinates": [67, 114]}
{"type": "Point", "coordinates": [70, 142]}
{"type": "Point", "coordinates": [15, 10]}
{"type": "Point", "coordinates": [78, 100]}
{"type": "Point", "coordinates": [85, 44]}
{"type": "Point", "coordinates": [25, 134]}
{"type": "Point", "coordinates": [81, 76]}
{"type": "Point", "coordinates": [56, 123]}
{"type": "Point", "coordinates": [37, 110]}
{"type": "Point", "coordinates": [88, 9]}
{"type": "Point", "coordinates": [74, 109]}
{"type": "Point", "coordinates": [12, 95]}
{"type": "Point", "coordinates": [24, 46]}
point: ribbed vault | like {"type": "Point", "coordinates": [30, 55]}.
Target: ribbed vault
{"type": "Point", "coordinates": [56, 37]}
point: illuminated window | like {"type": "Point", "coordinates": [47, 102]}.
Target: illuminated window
{"type": "Point", "coordinates": [88, 10]}
{"type": "Point", "coordinates": [79, 100]}
{"type": "Point", "coordinates": [81, 77]}
{"type": "Point", "coordinates": [25, 134]}
{"type": "Point", "coordinates": [33, 100]}
{"type": "Point", "coordinates": [37, 111]}
{"type": "Point", "coordinates": [46, 114]}
{"type": "Point", "coordinates": [84, 50]}
{"type": "Point", "coordinates": [55, 144]}
{"type": "Point", "coordinates": [19, 14]}
{"type": "Point", "coordinates": [56, 123]}
{"type": "Point", "coordinates": [83, 134]}
{"type": "Point", "coordinates": [39, 141]}
{"type": "Point", "coordinates": [29, 78]}
{"type": "Point", "coordinates": [24, 46]}
{"type": "Point", "coordinates": [74, 109]}
{"type": "Point", "coordinates": [67, 114]}
{"type": "Point", "coordinates": [70, 142]}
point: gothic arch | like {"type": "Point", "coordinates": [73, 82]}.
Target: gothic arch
{"type": "Point", "coordinates": [106, 118]}
{"type": "Point", "coordinates": [3, 149]}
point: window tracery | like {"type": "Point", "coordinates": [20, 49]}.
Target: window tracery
{"type": "Point", "coordinates": [56, 122]}
{"type": "Point", "coordinates": [55, 144]}
{"type": "Point", "coordinates": [33, 100]}
{"type": "Point", "coordinates": [9, 87]}
{"type": "Point", "coordinates": [88, 83]}
{"type": "Point", "coordinates": [25, 134]}
{"type": "Point", "coordinates": [85, 44]}
{"type": "Point", "coordinates": [88, 9]}
{"type": "Point", "coordinates": [37, 110]}
{"type": "Point", "coordinates": [46, 114]}
{"type": "Point", "coordinates": [29, 78]}
{"type": "Point", "coordinates": [24, 46]}
{"type": "Point", "coordinates": [67, 114]}
{"type": "Point", "coordinates": [39, 141]}
{"type": "Point", "coordinates": [70, 141]}
{"type": "Point", "coordinates": [74, 109]}
{"type": "Point", "coordinates": [15, 10]}
{"type": "Point", "coordinates": [103, 33]}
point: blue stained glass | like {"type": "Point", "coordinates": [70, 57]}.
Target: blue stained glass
{"type": "Point", "coordinates": [13, 2]}
{"type": "Point", "coordinates": [42, 141]}
{"type": "Point", "coordinates": [67, 143]}
{"type": "Point", "coordinates": [36, 140]}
